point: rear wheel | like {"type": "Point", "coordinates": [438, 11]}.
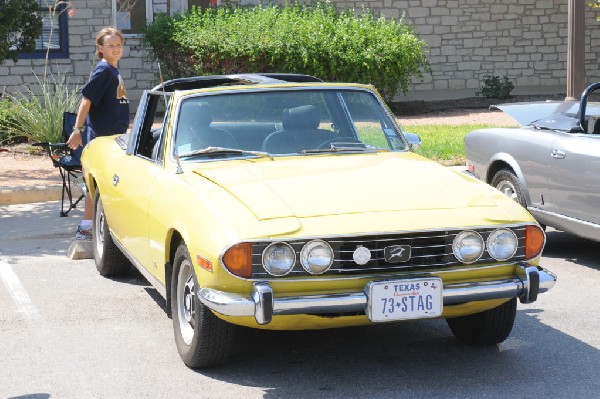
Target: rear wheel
{"type": "Point", "coordinates": [109, 259]}
{"type": "Point", "coordinates": [486, 328]}
{"type": "Point", "coordinates": [507, 182]}
{"type": "Point", "coordinates": [203, 340]}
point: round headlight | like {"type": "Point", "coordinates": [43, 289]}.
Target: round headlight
{"type": "Point", "coordinates": [278, 258]}
{"type": "Point", "coordinates": [468, 246]}
{"type": "Point", "coordinates": [316, 257]}
{"type": "Point", "coordinates": [502, 244]}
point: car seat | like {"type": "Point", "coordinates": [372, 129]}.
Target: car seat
{"type": "Point", "coordinates": [194, 131]}
{"type": "Point", "coordinates": [300, 131]}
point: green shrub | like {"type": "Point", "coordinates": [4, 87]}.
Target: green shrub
{"type": "Point", "coordinates": [494, 87]}
{"type": "Point", "coordinates": [37, 117]}
{"type": "Point", "coordinates": [5, 112]}
{"type": "Point", "coordinates": [8, 111]}
{"type": "Point", "coordinates": [20, 25]}
{"type": "Point", "coordinates": [310, 39]}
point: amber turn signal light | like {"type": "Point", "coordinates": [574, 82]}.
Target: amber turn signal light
{"type": "Point", "coordinates": [204, 263]}
{"type": "Point", "coordinates": [238, 259]}
{"type": "Point", "coordinates": [534, 241]}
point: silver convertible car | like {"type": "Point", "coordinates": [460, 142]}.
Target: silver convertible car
{"type": "Point", "coordinates": [550, 165]}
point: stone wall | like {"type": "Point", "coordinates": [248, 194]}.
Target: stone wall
{"type": "Point", "coordinates": [90, 16]}
{"type": "Point", "coordinates": [525, 40]}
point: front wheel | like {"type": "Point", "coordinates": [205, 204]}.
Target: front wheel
{"type": "Point", "coordinates": [203, 340]}
{"type": "Point", "coordinates": [508, 184]}
{"type": "Point", "coordinates": [486, 328]}
{"type": "Point", "coordinates": [109, 259]}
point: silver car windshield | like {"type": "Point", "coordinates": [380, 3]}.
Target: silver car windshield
{"type": "Point", "coordinates": [284, 122]}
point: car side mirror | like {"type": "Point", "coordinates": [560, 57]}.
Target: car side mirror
{"type": "Point", "coordinates": [414, 141]}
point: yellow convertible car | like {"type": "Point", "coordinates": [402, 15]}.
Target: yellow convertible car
{"type": "Point", "coordinates": [278, 201]}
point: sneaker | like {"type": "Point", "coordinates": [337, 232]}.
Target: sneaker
{"type": "Point", "coordinates": [83, 233]}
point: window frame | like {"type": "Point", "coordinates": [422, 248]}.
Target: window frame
{"type": "Point", "coordinates": [63, 37]}
{"type": "Point", "coordinates": [173, 6]}
{"type": "Point", "coordinates": [149, 7]}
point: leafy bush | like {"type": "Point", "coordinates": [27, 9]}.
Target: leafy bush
{"type": "Point", "coordinates": [494, 87]}
{"type": "Point", "coordinates": [18, 16]}
{"type": "Point", "coordinates": [38, 117]}
{"type": "Point", "coordinates": [5, 118]}
{"type": "Point", "coordinates": [310, 39]}
{"type": "Point", "coordinates": [7, 122]}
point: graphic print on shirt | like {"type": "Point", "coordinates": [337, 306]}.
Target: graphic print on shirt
{"type": "Point", "coordinates": [121, 92]}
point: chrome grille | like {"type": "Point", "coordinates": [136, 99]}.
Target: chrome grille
{"type": "Point", "coordinates": [430, 249]}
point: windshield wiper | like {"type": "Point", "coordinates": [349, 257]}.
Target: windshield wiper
{"type": "Point", "coordinates": [223, 150]}
{"type": "Point", "coordinates": [340, 147]}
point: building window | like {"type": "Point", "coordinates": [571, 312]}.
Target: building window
{"type": "Point", "coordinates": [54, 39]}
{"type": "Point", "coordinates": [201, 3]}
{"type": "Point", "coordinates": [181, 6]}
{"type": "Point", "coordinates": [131, 16]}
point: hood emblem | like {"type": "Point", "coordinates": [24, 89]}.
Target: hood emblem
{"type": "Point", "coordinates": [361, 255]}
{"type": "Point", "coordinates": [397, 253]}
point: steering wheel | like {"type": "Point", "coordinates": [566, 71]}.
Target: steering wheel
{"type": "Point", "coordinates": [327, 143]}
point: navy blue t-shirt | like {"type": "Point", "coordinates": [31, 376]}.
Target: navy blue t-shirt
{"type": "Point", "coordinates": [109, 113]}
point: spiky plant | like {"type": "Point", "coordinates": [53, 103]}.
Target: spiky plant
{"type": "Point", "coordinates": [37, 116]}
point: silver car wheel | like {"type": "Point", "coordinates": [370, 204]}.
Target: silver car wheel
{"type": "Point", "coordinates": [508, 189]}
{"type": "Point", "coordinates": [99, 231]}
{"type": "Point", "coordinates": [185, 301]}
{"type": "Point", "coordinates": [508, 184]}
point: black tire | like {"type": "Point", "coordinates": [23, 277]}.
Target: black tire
{"type": "Point", "coordinates": [507, 182]}
{"type": "Point", "coordinates": [203, 340]}
{"type": "Point", "coordinates": [486, 328]}
{"type": "Point", "coordinates": [109, 259]}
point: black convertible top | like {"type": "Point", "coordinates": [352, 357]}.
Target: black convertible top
{"type": "Point", "coordinates": [201, 82]}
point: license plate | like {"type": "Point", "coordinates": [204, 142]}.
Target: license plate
{"type": "Point", "coordinates": [404, 299]}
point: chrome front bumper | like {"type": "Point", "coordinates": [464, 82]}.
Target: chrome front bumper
{"type": "Point", "coordinates": [529, 282]}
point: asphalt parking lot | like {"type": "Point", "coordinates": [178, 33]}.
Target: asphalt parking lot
{"type": "Point", "coordinates": [67, 332]}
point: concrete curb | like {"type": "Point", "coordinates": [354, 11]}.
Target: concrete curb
{"type": "Point", "coordinates": [30, 194]}
{"type": "Point", "coordinates": [80, 249]}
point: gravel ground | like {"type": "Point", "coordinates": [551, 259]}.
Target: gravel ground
{"type": "Point", "coordinates": [459, 117]}
{"type": "Point", "coordinates": [19, 167]}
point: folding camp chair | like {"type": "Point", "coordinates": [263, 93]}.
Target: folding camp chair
{"type": "Point", "coordinates": [68, 163]}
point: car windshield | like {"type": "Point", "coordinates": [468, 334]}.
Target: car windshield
{"type": "Point", "coordinates": [283, 122]}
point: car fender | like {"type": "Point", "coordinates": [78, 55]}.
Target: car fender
{"type": "Point", "coordinates": [503, 160]}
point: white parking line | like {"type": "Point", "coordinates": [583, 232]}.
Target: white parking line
{"type": "Point", "coordinates": [68, 377]}
{"type": "Point", "coordinates": [17, 291]}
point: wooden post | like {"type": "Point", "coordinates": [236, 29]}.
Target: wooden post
{"type": "Point", "coordinates": [576, 49]}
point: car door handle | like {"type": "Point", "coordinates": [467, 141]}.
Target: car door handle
{"type": "Point", "coordinates": [115, 180]}
{"type": "Point", "coordinates": [558, 154]}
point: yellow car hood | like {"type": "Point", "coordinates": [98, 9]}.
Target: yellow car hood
{"type": "Point", "coordinates": [344, 184]}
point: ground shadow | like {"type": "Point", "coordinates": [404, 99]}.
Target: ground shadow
{"type": "Point", "coordinates": [572, 248]}
{"type": "Point", "coordinates": [417, 359]}
{"type": "Point", "coordinates": [37, 229]}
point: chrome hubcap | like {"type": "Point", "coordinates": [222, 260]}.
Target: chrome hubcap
{"type": "Point", "coordinates": [185, 301]}
{"type": "Point", "coordinates": [506, 188]}
{"type": "Point", "coordinates": [189, 300]}
{"type": "Point", "coordinates": [99, 230]}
